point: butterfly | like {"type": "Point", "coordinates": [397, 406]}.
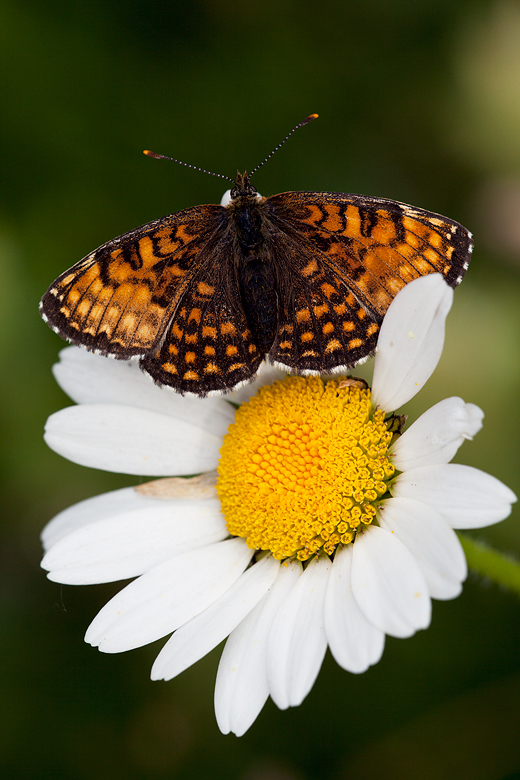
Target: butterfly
{"type": "Point", "coordinates": [303, 279]}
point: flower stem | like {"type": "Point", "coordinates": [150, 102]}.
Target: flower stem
{"type": "Point", "coordinates": [492, 564]}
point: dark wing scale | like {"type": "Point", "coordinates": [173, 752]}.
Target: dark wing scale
{"type": "Point", "coordinates": [375, 245]}
{"type": "Point", "coordinates": [208, 346]}
{"type": "Point", "coordinates": [118, 300]}
{"type": "Point", "coordinates": [322, 326]}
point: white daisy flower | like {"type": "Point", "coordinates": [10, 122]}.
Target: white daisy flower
{"type": "Point", "coordinates": [323, 527]}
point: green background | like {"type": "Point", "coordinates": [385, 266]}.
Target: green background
{"type": "Point", "coordinates": [418, 101]}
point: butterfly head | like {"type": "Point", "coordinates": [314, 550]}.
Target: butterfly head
{"type": "Point", "coordinates": [242, 189]}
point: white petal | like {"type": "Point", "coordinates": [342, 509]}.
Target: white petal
{"type": "Point", "coordinates": [201, 634]}
{"type": "Point", "coordinates": [436, 436]}
{"type": "Point", "coordinates": [130, 543]}
{"type": "Point", "coordinates": [131, 441]}
{"type": "Point", "coordinates": [267, 375]}
{"type": "Point", "coordinates": [464, 496]}
{"type": "Point", "coordinates": [354, 642]}
{"type": "Point", "coordinates": [168, 596]}
{"type": "Point", "coordinates": [94, 379]}
{"type": "Point", "coordinates": [241, 688]}
{"type": "Point", "coordinates": [297, 641]}
{"type": "Point", "coordinates": [90, 510]}
{"type": "Point", "coordinates": [388, 584]}
{"type": "Point", "coordinates": [410, 342]}
{"type": "Point", "coordinates": [431, 541]}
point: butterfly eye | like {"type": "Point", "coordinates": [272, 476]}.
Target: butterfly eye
{"type": "Point", "coordinates": [230, 195]}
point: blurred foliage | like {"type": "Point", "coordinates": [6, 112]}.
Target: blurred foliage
{"type": "Point", "coordinates": [418, 101]}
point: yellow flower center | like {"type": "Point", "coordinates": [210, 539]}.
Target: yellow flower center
{"type": "Point", "coordinates": [303, 466]}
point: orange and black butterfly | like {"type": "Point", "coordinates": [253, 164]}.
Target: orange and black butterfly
{"type": "Point", "coordinates": [302, 279]}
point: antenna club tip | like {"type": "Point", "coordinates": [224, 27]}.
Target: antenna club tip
{"type": "Point", "coordinates": [149, 153]}
{"type": "Point", "coordinates": [310, 118]}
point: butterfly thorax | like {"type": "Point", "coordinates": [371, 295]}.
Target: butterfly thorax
{"type": "Point", "coordinates": [254, 269]}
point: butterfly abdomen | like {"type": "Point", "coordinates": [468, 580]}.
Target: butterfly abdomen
{"type": "Point", "coordinates": [257, 284]}
{"type": "Point", "coordinates": [255, 272]}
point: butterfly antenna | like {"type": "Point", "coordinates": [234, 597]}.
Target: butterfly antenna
{"type": "Point", "coordinates": [301, 124]}
{"type": "Point", "coordinates": [187, 165]}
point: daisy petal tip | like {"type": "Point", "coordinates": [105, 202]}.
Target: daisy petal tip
{"type": "Point", "coordinates": [280, 700]}
{"type": "Point", "coordinates": [159, 670]}
{"type": "Point", "coordinates": [113, 645]}
{"type": "Point", "coordinates": [238, 725]}
{"type": "Point", "coordinates": [410, 341]}
{"type": "Point", "coordinates": [452, 591]}
{"type": "Point", "coordinates": [464, 496]}
{"type": "Point", "coordinates": [105, 648]}
{"type": "Point", "coordinates": [388, 584]}
{"type": "Point", "coordinates": [92, 636]}
{"type": "Point", "coordinates": [156, 674]}
{"type": "Point", "coordinates": [54, 575]}
{"type": "Point", "coordinates": [427, 611]}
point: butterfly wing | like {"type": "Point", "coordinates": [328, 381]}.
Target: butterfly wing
{"type": "Point", "coordinates": [322, 325]}
{"type": "Point", "coordinates": [167, 292]}
{"type": "Point", "coordinates": [119, 300]}
{"type": "Point", "coordinates": [208, 346]}
{"type": "Point", "coordinates": [346, 257]}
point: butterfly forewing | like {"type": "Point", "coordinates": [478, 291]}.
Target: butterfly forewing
{"type": "Point", "coordinates": [376, 245]}
{"type": "Point", "coordinates": [118, 300]}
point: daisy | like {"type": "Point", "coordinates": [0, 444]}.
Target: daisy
{"type": "Point", "coordinates": [314, 522]}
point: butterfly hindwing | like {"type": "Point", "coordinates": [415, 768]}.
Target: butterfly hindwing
{"type": "Point", "coordinates": [322, 326]}
{"type": "Point", "coordinates": [208, 345]}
